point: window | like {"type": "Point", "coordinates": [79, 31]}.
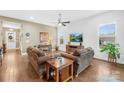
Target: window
{"type": "Point", "coordinates": [106, 34]}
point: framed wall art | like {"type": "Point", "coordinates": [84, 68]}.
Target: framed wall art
{"type": "Point", "coordinates": [44, 37]}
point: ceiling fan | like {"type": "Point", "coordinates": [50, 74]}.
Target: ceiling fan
{"type": "Point", "coordinates": [62, 23]}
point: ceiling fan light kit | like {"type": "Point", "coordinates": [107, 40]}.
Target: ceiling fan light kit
{"type": "Point", "coordinates": [60, 24]}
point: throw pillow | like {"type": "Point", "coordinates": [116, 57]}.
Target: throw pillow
{"type": "Point", "coordinates": [39, 53]}
{"type": "Point", "coordinates": [77, 53]}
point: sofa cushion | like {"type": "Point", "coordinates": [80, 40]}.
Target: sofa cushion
{"type": "Point", "coordinates": [77, 52]}
{"type": "Point", "coordinates": [29, 49]}
{"type": "Point", "coordinates": [43, 59]}
{"type": "Point", "coordinates": [83, 52]}
{"type": "Point", "coordinates": [69, 56]}
{"type": "Point", "coordinates": [88, 48]}
{"type": "Point", "coordinates": [39, 53]}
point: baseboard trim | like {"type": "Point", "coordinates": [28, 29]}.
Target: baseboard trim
{"type": "Point", "coordinates": [100, 59]}
{"type": "Point", "coordinates": [107, 61]}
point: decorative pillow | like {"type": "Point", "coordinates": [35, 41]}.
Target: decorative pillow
{"type": "Point", "coordinates": [42, 54]}
{"type": "Point", "coordinates": [77, 52]}
{"type": "Point", "coordinates": [39, 53]}
{"type": "Point", "coordinates": [29, 49]}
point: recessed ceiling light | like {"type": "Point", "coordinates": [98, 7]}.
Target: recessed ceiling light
{"type": "Point", "coordinates": [31, 17]}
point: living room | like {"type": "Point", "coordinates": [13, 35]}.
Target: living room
{"type": "Point", "coordinates": [61, 46]}
{"type": "Point", "coordinates": [72, 37]}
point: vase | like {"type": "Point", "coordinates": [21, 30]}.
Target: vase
{"type": "Point", "coordinates": [112, 58]}
{"type": "Point", "coordinates": [57, 48]}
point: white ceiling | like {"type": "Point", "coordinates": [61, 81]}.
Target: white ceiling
{"type": "Point", "coordinates": [49, 17]}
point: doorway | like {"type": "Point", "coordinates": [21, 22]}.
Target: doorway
{"type": "Point", "coordinates": [12, 38]}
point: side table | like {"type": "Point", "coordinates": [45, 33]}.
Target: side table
{"type": "Point", "coordinates": [65, 67]}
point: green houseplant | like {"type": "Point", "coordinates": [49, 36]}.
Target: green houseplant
{"type": "Point", "coordinates": [112, 50]}
{"type": "Point", "coordinates": [35, 46]}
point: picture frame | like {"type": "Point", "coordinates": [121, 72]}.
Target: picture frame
{"type": "Point", "coordinates": [44, 37]}
{"type": "Point", "coordinates": [61, 40]}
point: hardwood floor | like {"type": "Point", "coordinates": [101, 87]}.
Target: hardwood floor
{"type": "Point", "coordinates": [16, 68]}
{"type": "Point", "coordinates": [102, 72]}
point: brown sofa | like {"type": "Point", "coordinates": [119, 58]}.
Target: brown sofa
{"type": "Point", "coordinates": [37, 60]}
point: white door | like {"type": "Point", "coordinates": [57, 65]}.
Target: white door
{"type": "Point", "coordinates": [11, 40]}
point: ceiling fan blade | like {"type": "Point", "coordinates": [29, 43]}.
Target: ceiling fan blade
{"type": "Point", "coordinates": [66, 22]}
{"type": "Point", "coordinates": [63, 24]}
{"type": "Point", "coordinates": [53, 22]}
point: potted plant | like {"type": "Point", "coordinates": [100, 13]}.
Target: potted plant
{"type": "Point", "coordinates": [35, 46]}
{"type": "Point", "coordinates": [112, 50]}
{"type": "Point", "coordinates": [56, 48]}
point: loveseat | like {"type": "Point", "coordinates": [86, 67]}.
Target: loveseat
{"type": "Point", "coordinates": [82, 59]}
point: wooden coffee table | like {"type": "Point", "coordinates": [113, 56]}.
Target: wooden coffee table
{"type": "Point", "coordinates": [65, 66]}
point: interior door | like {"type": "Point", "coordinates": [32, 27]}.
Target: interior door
{"type": "Point", "coordinates": [11, 40]}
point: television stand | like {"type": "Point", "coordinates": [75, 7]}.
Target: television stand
{"type": "Point", "coordinates": [71, 48]}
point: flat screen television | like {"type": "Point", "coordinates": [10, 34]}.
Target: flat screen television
{"type": "Point", "coordinates": [76, 37]}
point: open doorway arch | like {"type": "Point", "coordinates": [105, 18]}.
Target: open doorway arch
{"type": "Point", "coordinates": [11, 35]}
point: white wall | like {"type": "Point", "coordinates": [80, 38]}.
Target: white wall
{"type": "Point", "coordinates": [89, 28]}
{"type": "Point", "coordinates": [34, 29]}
